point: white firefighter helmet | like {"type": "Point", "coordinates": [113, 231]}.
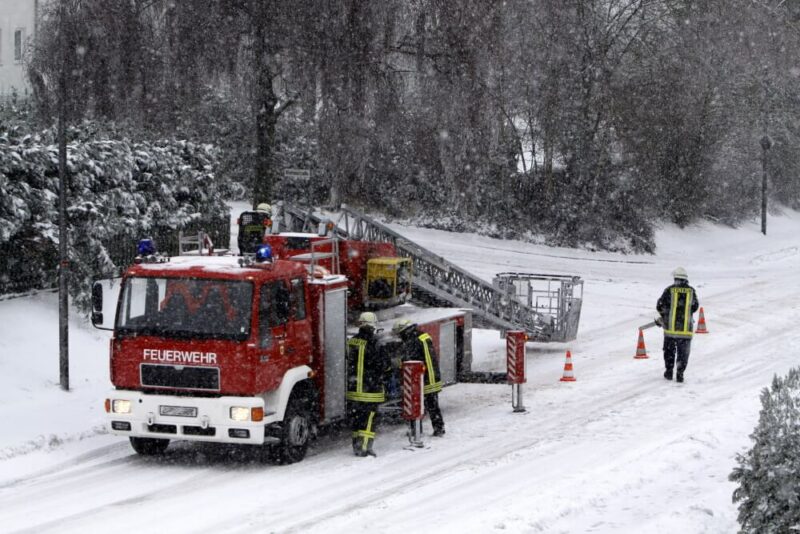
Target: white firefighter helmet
{"type": "Point", "coordinates": [266, 208]}
{"type": "Point", "coordinates": [680, 274]}
{"type": "Point", "coordinates": [401, 326]}
{"type": "Point", "coordinates": [368, 319]}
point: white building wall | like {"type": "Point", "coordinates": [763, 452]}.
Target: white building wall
{"type": "Point", "coordinates": [17, 26]}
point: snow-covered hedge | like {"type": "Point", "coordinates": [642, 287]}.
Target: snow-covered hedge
{"type": "Point", "coordinates": [769, 473]}
{"type": "Point", "coordinates": [118, 190]}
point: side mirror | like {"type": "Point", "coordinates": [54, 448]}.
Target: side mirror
{"type": "Point", "coordinates": [97, 304]}
{"type": "Point", "coordinates": [104, 295]}
{"type": "Point", "coordinates": [97, 298]}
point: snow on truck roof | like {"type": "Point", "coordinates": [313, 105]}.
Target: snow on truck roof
{"type": "Point", "coordinates": [216, 266]}
{"type": "Point", "coordinates": [299, 234]}
{"type": "Point", "coordinates": [206, 262]}
{"type": "Point", "coordinates": [416, 314]}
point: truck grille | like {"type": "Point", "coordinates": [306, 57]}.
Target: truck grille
{"type": "Point", "coordinates": [163, 429]}
{"type": "Point", "coordinates": [180, 377]}
{"type": "Point", "coordinates": [199, 431]}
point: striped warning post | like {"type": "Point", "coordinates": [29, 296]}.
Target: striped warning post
{"type": "Point", "coordinates": [413, 381]}
{"type": "Point", "coordinates": [515, 364]}
{"type": "Point", "coordinates": [515, 356]}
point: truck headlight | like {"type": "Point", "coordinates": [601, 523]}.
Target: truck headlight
{"type": "Point", "coordinates": [240, 413]}
{"type": "Point", "coordinates": [120, 406]}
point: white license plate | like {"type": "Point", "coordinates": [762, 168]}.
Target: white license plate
{"type": "Point", "coordinates": [178, 411]}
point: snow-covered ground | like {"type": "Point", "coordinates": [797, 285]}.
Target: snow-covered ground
{"type": "Point", "coordinates": [620, 450]}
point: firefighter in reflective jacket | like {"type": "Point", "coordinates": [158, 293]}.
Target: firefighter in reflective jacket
{"type": "Point", "coordinates": [675, 308]}
{"type": "Point", "coordinates": [418, 346]}
{"type": "Point", "coordinates": [366, 370]}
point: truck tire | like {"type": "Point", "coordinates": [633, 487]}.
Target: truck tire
{"type": "Point", "coordinates": [149, 446]}
{"type": "Point", "coordinates": [295, 430]}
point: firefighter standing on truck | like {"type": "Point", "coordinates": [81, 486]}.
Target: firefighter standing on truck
{"type": "Point", "coordinates": [366, 369]}
{"type": "Point", "coordinates": [418, 346]}
{"type": "Point", "coordinates": [675, 308]}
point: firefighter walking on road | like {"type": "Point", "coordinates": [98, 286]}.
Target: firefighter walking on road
{"type": "Point", "coordinates": [675, 308]}
{"type": "Point", "coordinates": [418, 346]}
{"type": "Point", "coordinates": [366, 370]}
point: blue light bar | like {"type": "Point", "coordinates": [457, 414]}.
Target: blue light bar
{"type": "Point", "coordinates": [264, 253]}
{"type": "Point", "coordinates": [146, 247]}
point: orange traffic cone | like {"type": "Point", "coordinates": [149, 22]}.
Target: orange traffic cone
{"type": "Point", "coordinates": [701, 324]}
{"type": "Point", "coordinates": [569, 376]}
{"type": "Point", "coordinates": [641, 351]}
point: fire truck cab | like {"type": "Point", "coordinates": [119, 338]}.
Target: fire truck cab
{"type": "Point", "coordinates": [207, 349]}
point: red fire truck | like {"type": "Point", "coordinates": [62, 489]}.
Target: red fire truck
{"type": "Point", "coordinates": [232, 350]}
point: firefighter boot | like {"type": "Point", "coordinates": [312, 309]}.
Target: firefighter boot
{"type": "Point", "coordinates": [438, 432]}
{"type": "Point", "coordinates": [679, 376]}
{"type": "Point", "coordinates": [361, 453]}
{"type": "Point", "coordinates": [362, 447]}
{"type": "Point", "coordinates": [668, 374]}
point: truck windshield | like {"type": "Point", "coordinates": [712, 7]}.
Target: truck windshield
{"type": "Point", "coordinates": [185, 308]}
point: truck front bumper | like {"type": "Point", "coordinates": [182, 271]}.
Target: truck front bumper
{"type": "Point", "coordinates": [131, 413]}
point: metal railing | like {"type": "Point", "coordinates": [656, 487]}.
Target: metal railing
{"type": "Point", "coordinates": [557, 296]}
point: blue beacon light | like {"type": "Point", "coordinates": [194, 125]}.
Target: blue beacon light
{"type": "Point", "coordinates": [264, 254]}
{"type": "Point", "coordinates": [146, 247]}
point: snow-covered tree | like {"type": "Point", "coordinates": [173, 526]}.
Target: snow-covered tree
{"type": "Point", "coordinates": [581, 121]}
{"type": "Point", "coordinates": [119, 191]}
{"type": "Point", "coordinates": [769, 473]}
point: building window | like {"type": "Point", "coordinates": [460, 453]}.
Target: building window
{"type": "Point", "coordinates": [19, 41]}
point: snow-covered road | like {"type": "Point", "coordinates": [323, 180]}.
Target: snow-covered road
{"type": "Point", "coordinates": [620, 450]}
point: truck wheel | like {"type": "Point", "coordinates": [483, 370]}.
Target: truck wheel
{"type": "Point", "coordinates": [295, 431]}
{"type": "Point", "coordinates": [149, 446]}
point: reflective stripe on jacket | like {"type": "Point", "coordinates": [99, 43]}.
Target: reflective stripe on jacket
{"type": "Point", "coordinates": [677, 304]}
{"type": "Point", "coordinates": [365, 372]}
{"type": "Point", "coordinates": [432, 382]}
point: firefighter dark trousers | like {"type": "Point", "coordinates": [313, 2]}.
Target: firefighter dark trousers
{"type": "Point", "coordinates": [676, 348]}
{"type": "Point", "coordinates": [363, 417]}
{"type": "Point", "coordinates": [432, 408]}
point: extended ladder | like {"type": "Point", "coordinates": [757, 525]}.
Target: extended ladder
{"type": "Point", "coordinates": [435, 280]}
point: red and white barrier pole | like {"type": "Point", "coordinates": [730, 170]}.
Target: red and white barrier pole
{"type": "Point", "coordinates": [515, 363]}
{"type": "Point", "coordinates": [413, 405]}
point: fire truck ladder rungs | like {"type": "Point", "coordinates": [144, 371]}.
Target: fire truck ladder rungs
{"type": "Point", "coordinates": [435, 280]}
